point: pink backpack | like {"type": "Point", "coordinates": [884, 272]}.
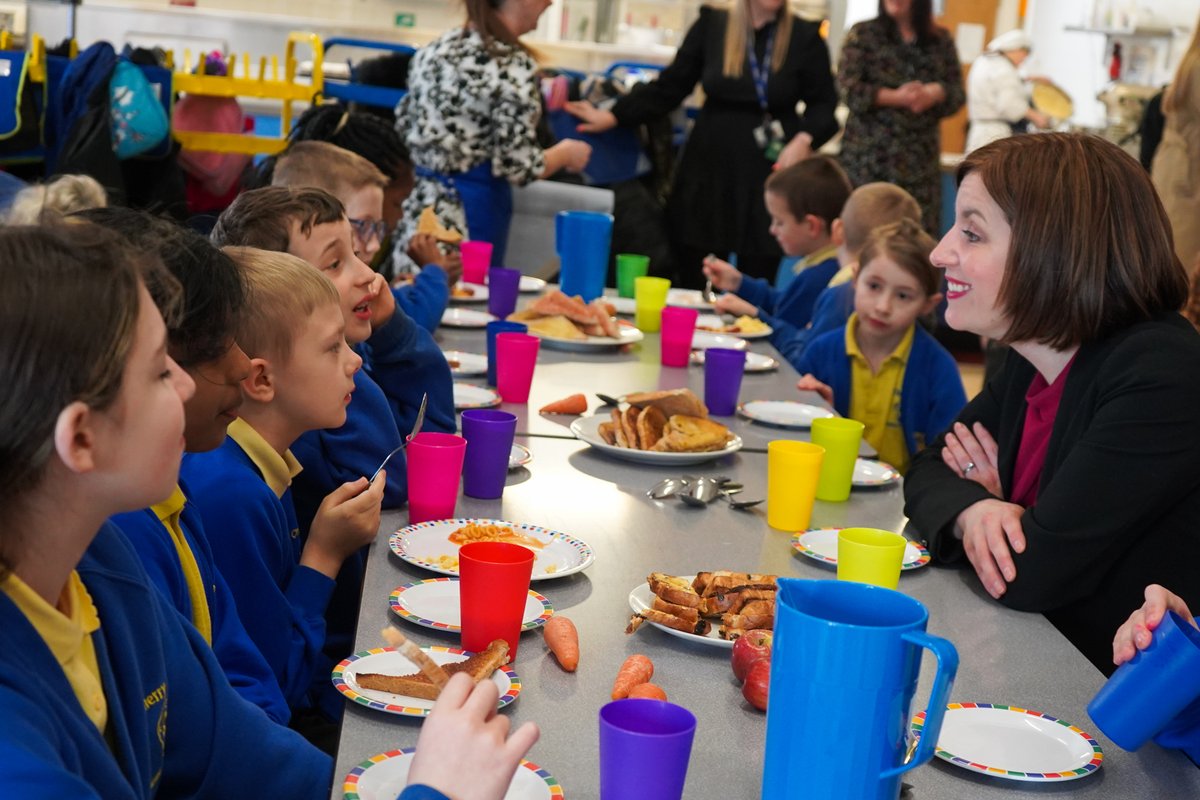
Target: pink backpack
{"type": "Point", "coordinates": [216, 172]}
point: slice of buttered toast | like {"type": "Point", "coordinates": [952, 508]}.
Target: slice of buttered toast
{"type": "Point", "coordinates": [479, 666]}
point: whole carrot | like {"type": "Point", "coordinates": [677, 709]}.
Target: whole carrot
{"type": "Point", "coordinates": [636, 669]}
{"type": "Point", "coordinates": [651, 691]}
{"type": "Point", "coordinates": [563, 640]}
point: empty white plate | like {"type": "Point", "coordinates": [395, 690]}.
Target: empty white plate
{"type": "Point", "coordinates": [465, 318]}
{"type": "Point", "coordinates": [463, 364]}
{"type": "Point", "coordinates": [755, 362]}
{"type": "Point", "coordinates": [873, 473]}
{"type": "Point", "coordinates": [702, 340]}
{"type": "Point", "coordinates": [469, 396]}
{"type": "Point", "coordinates": [783, 413]}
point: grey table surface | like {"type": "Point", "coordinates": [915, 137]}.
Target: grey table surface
{"type": "Point", "coordinates": [1006, 656]}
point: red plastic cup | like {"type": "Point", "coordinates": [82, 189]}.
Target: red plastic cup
{"type": "Point", "coordinates": [493, 584]}
{"type": "Point", "coordinates": [435, 462]}
{"type": "Point", "coordinates": [516, 356]}
{"type": "Point", "coordinates": [678, 326]}
{"type": "Point", "coordinates": [476, 259]}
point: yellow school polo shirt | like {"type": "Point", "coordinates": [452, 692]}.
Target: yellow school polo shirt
{"type": "Point", "coordinates": [168, 512]}
{"type": "Point", "coordinates": [277, 470]}
{"type": "Point", "coordinates": [875, 397]}
{"type": "Point", "coordinates": [816, 257]}
{"type": "Point", "coordinates": [67, 630]}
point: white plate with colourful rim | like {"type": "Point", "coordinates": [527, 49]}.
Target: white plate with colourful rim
{"type": "Point", "coordinates": [464, 364]}
{"type": "Point", "coordinates": [434, 604]}
{"type": "Point", "coordinates": [711, 323]}
{"type": "Point", "coordinates": [755, 362]}
{"type": "Point", "coordinates": [530, 284]}
{"type": "Point", "coordinates": [468, 395]}
{"type": "Point", "coordinates": [703, 340]}
{"type": "Point", "coordinates": [428, 545]}
{"type": "Point", "coordinates": [821, 544]}
{"type": "Point", "coordinates": [387, 661]}
{"type": "Point", "coordinates": [873, 473]}
{"type": "Point", "coordinates": [465, 318]}
{"type": "Point", "coordinates": [1014, 743]}
{"type": "Point", "coordinates": [468, 293]}
{"type": "Point", "coordinates": [688, 298]}
{"type": "Point", "coordinates": [783, 413]}
{"type": "Point", "coordinates": [627, 334]}
{"type": "Point", "coordinates": [623, 305]}
{"type": "Point", "coordinates": [383, 777]}
{"type": "Point", "coordinates": [519, 456]}
{"type": "Point", "coordinates": [641, 598]}
{"type": "Point", "coordinates": [586, 429]}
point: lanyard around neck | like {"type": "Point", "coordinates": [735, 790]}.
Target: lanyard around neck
{"type": "Point", "coordinates": [760, 71]}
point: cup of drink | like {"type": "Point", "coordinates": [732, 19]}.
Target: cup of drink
{"type": "Point", "coordinates": [582, 240]}
{"type": "Point", "coordinates": [435, 462]}
{"type": "Point", "coordinates": [489, 434]}
{"type": "Point", "coordinates": [516, 356]}
{"type": "Point", "coordinates": [476, 259]}
{"type": "Point", "coordinates": [629, 267]}
{"type": "Point", "coordinates": [645, 746]}
{"type": "Point", "coordinates": [503, 286]}
{"type": "Point", "coordinates": [678, 325]}
{"type": "Point", "coordinates": [723, 370]}
{"type": "Point", "coordinates": [793, 469]}
{"type": "Point", "coordinates": [493, 584]}
{"type": "Point", "coordinates": [493, 328]}
{"type": "Point", "coordinates": [650, 295]}
{"type": "Point", "coordinates": [869, 555]}
{"type": "Point", "coordinates": [840, 437]}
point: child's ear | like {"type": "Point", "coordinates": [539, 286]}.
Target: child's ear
{"type": "Point", "coordinates": [816, 226]}
{"type": "Point", "coordinates": [259, 385]}
{"type": "Point", "coordinates": [75, 438]}
{"type": "Point", "coordinates": [931, 303]}
{"type": "Point", "coordinates": [837, 233]}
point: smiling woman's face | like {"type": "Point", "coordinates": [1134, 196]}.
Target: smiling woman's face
{"type": "Point", "coordinates": [899, 10]}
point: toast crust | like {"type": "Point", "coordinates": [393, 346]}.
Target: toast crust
{"type": "Point", "coordinates": [479, 666]}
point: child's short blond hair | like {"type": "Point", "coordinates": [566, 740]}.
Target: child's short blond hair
{"type": "Point", "coordinates": [326, 166]}
{"type": "Point", "coordinates": [64, 195]}
{"type": "Point", "coordinates": [282, 292]}
{"type": "Point", "coordinates": [873, 205]}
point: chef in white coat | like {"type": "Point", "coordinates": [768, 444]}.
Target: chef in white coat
{"type": "Point", "coordinates": [997, 95]}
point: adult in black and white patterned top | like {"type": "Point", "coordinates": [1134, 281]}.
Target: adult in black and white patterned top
{"type": "Point", "coordinates": [469, 120]}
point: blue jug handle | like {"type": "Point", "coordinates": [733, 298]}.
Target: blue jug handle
{"type": "Point", "coordinates": [943, 681]}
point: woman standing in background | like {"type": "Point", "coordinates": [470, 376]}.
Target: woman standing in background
{"type": "Point", "coordinates": [1176, 166]}
{"type": "Point", "coordinates": [900, 75]}
{"type": "Point", "coordinates": [997, 95]}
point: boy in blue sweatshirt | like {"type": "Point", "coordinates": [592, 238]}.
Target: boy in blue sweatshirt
{"type": "Point", "coordinates": [301, 378]}
{"type": "Point", "coordinates": [881, 368]}
{"type": "Point", "coordinates": [803, 201]}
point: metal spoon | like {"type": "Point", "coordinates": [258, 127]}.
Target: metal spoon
{"type": "Point", "coordinates": [690, 500]}
{"type": "Point", "coordinates": [739, 505]}
{"type": "Point", "coordinates": [667, 487]}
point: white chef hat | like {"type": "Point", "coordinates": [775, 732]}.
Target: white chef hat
{"type": "Point", "coordinates": [1013, 40]}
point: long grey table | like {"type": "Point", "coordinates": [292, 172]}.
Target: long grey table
{"type": "Point", "coordinates": [1007, 656]}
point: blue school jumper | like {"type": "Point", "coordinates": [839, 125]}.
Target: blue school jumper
{"type": "Point", "coordinates": [931, 395]}
{"type": "Point", "coordinates": [247, 670]}
{"type": "Point", "coordinates": [175, 727]}
{"type": "Point", "coordinates": [832, 310]}
{"type": "Point", "coordinates": [789, 310]}
{"type": "Point", "coordinates": [424, 300]}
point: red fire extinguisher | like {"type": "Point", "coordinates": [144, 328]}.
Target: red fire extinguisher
{"type": "Point", "coordinates": [1114, 65]}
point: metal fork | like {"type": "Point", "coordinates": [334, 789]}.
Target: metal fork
{"type": "Point", "coordinates": [416, 428]}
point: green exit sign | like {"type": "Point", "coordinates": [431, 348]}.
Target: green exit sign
{"type": "Point", "coordinates": [406, 20]}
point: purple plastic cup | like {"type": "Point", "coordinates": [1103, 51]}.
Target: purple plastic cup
{"type": "Point", "coordinates": [503, 285]}
{"type": "Point", "coordinates": [476, 259]}
{"type": "Point", "coordinates": [489, 434]}
{"type": "Point", "coordinates": [678, 326]}
{"type": "Point", "coordinates": [516, 356]}
{"type": "Point", "coordinates": [493, 328]}
{"type": "Point", "coordinates": [435, 462]}
{"type": "Point", "coordinates": [644, 749]}
{"type": "Point", "coordinates": [723, 379]}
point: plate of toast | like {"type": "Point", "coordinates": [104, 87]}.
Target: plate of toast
{"type": "Point", "coordinates": [434, 545]}
{"type": "Point", "coordinates": [468, 293]}
{"type": "Point", "coordinates": [564, 322]}
{"type": "Point", "coordinates": [465, 318]}
{"type": "Point", "coordinates": [467, 395]}
{"type": "Point", "coordinates": [464, 364]}
{"type": "Point", "coordinates": [755, 362]}
{"type": "Point", "coordinates": [664, 427]}
{"type": "Point", "coordinates": [711, 608]}
{"type": "Point", "coordinates": [383, 777]}
{"type": "Point", "coordinates": [386, 680]}
{"type": "Point", "coordinates": [434, 604]}
{"type": "Point", "coordinates": [783, 413]}
{"type": "Point", "coordinates": [821, 544]}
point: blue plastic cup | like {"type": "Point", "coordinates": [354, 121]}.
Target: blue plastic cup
{"type": "Point", "coordinates": [723, 370]}
{"type": "Point", "coordinates": [503, 287]}
{"type": "Point", "coordinates": [494, 327]}
{"type": "Point", "coordinates": [489, 434]}
{"type": "Point", "coordinates": [1150, 690]}
{"type": "Point", "coordinates": [645, 746]}
{"type": "Point", "coordinates": [582, 239]}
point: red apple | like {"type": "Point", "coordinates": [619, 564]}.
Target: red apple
{"type": "Point", "coordinates": [752, 646]}
{"type": "Point", "coordinates": [758, 684]}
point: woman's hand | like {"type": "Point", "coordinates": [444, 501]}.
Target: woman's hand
{"type": "Point", "coordinates": [798, 149]}
{"type": "Point", "coordinates": [973, 455]}
{"type": "Point", "coordinates": [1136, 632]}
{"type": "Point", "coordinates": [724, 276]}
{"type": "Point", "coordinates": [464, 750]}
{"type": "Point", "coordinates": [732, 304]}
{"type": "Point", "coordinates": [595, 120]}
{"type": "Point", "coordinates": [808, 383]}
{"type": "Point", "coordinates": [926, 97]}
{"type": "Point", "coordinates": [1039, 119]}
{"type": "Point", "coordinates": [988, 529]}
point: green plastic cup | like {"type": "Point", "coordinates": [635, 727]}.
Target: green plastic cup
{"type": "Point", "coordinates": [869, 555]}
{"type": "Point", "coordinates": [840, 437]}
{"type": "Point", "coordinates": [650, 296]}
{"type": "Point", "coordinates": [630, 266]}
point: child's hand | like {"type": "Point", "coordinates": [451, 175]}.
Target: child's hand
{"type": "Point", "coordinates": [808, 383]}
{"type": "Point", "coordinates": [383, 303]}
{"type": "Point", "coordinates": [423, 249]}
{"type": "Point", "coordinates": [347, 520]}
{"type": "Point", "coordinates": [452, 264]}
{"type": "Point", "coordinates": [974, 455]}
{"type": "Point", "coordinates": [732, 304]}
{"type": "Point", "coordinates": [724, 276]}
{"type": "Point", "coordinates": [464, 750]}
{"type": "Point", "coordinates": [1136, 632]}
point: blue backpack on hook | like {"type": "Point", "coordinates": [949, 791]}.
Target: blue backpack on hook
{"type": "Point", "coordinates": [139, 122]}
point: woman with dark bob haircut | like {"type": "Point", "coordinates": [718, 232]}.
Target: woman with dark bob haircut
{"type": "Point", "coordinates": [1070, 482]}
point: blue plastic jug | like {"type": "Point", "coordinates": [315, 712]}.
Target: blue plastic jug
{"type": "Point", "coordinates": [582, 239]}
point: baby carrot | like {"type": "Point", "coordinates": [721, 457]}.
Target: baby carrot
{"type": "Point", "coordinates": [575, 404]}
{"type": "Point", "coordinates": [636, 669]}
{"type": "Point", "coordinates": [651, 691]}
{"type": "Point", "coordinates": [563, 641]}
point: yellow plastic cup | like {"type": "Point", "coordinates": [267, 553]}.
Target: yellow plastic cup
{"type": "Point", "coordinates": [840, 437]}
{"type": "Point", "coordinates": [649, 297]}
{"type": "Point", "coordinates": [869, 555]}
{"type": "Point", "coordinates": [793, 469]}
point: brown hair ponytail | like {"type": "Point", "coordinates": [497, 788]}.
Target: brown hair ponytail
{"type": "Point", "coordinates": [482, 15]}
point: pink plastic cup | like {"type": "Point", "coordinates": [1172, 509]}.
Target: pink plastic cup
{"type": "Point", "coordinates": [493, 585]}
{"type": "Point", "coordinates": [516, 356]}
{"type": "Point", "coordinates": [678, 325]}
{"type": "Point", "coordinates": [476, 260]}
{"type": "Point", "coordinates": [435, 462]}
